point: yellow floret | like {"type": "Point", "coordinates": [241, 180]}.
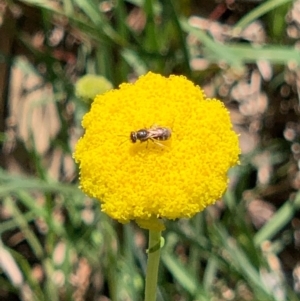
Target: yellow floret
{"type": "Point", "coordinates": [145, 180]}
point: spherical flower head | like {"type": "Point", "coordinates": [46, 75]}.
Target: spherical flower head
{"type": "Point", "coordinates": [90, 85]}
{"type": "Point", "coordinates": [153, 179]}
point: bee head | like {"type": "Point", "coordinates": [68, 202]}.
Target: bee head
{"type": "Point", "coordinates": [133, 137]}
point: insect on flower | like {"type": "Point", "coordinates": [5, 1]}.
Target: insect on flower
{"type": "Point", "coordinates": [153, 133]}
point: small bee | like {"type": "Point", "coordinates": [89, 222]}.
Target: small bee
{"type": "Point", "coordinates": [153, 133]}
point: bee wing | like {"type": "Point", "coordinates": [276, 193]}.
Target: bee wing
{"type": "Point", "coordinates": [153, 133]}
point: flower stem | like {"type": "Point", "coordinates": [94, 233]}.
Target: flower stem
{"type": "Point", "coordinates": [152, 265]}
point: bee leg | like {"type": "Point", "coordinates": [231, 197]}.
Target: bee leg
{"type": "Point", "coordinates": [157, 143]}
{"type": "Point", "coordinates": [160, 144]}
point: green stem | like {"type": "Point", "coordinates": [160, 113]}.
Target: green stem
{"type": "Point", "coordinates": [152, 265]}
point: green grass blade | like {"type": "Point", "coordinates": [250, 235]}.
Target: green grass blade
{"type": "Point", "coordinates": [240, 261]}
{"type": "Point", "coordinates": [181, 274]}
{"type": "Point", "coordinates": [219, 52]}
{"type": "Point", "coordinates": [23, 225]}
{"type": "Point", "coordinates": [133, 59]}
{"type": "Point", "coordinates": [278, 221]}
{"type": "Point", "coordinates": [175, 18]}
{"type": "Point", "coordinates": [256, 13]}
{"type": "Point", "coordinates": [272, 53]}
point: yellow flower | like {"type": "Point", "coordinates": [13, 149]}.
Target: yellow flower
{"type": "Point", "coordinates": [144, 181]}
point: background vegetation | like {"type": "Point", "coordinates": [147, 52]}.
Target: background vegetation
{"type": "Point", "coordinates": [55, 244]}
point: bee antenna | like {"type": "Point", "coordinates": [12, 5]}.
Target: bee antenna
{"type": "Point", "coordinates": [122, 142]}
